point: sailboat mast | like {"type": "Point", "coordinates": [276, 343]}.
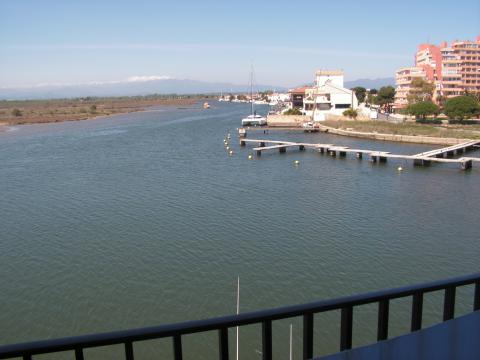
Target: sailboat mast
{"type": "Point", "coordinates": [251, 89]}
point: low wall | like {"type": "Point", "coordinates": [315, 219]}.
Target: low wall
{"type": "Point", "coordinates": [287, 120]}
{"type": "Point", "coordinates": [393, 137]}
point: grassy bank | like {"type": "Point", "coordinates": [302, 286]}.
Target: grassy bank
{"type": "Point", "coordinates": [411, 129]}
{"type": "Point", "coordinates": [45, 111]}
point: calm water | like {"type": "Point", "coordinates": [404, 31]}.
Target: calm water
{"type": "Point", "coordinates": [143, 219]}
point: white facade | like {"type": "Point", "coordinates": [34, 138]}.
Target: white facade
{"type": "Point", "coordinates": [328, 97]}
{"type": "Point", "coordinates": [334, 77]}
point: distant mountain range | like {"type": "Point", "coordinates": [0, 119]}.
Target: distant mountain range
{"type": "Point", "coordinates": [145, 85]}
{"type": "Point", "coordinates": [371, 83]}
{"type": "Point", "coordinates": [130, 87]}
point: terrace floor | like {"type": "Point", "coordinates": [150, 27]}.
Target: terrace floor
{"type": "Point", "coordinates": [457, 339]}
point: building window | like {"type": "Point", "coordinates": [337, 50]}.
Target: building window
{"type": "Point", "coordinates": [342, 106]}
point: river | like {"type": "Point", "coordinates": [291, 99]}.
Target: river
{"type": "Point", "coordinates": [143, 219]}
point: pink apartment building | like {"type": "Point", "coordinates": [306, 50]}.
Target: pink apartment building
{"type": "Point", "coordinates": [452, 69]}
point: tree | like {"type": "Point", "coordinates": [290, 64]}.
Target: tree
{"type": "Point", "coordinates": [422, 109]}
{"type": "Point", "coordinates": [361, 93]}
{"type": "Point", "coordinates": [461, 107]}
{"type": "Point", "coordinates": [385, 96]}
{"type": "Point", "coordinates": [420, 90]}
{"type": "Point", "coordinates": [16, 112]}
{"type": "Point", "coordinates": [292, 111]}
{"type": "Point", "coordinates": [231, 97]}
{"type": "Point", "coordinates": [351, 113]}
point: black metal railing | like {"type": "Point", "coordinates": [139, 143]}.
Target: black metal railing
{"type": "Point", "coordinates": [264, 317]}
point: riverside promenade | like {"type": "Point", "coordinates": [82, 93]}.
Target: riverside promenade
{"type": "Point", "coordinates": [441, 155]}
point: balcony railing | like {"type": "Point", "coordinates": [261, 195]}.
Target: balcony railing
{"type": "Point", "coordinates": [346, 305]}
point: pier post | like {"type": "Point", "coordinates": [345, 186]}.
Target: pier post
{"type": "Point", "coordinates": [382, 159]}
{"type": "Point", "coordinates": [342, 153]}
{"type": "Point", "coordinates": [333, 153]}
{"type": "Point", "coordinates": [450, 153]}
{"type": "Point", "coordinates": [460, 151]}
{"type": "Point", "coordinates": [373, 158]}
{"type": "Point", "coordinates": [301, 147]}
{"type": "Point", "coordinates": [322, 150]}
{"type": "Point", "coordinates": [466, 164]}
{"type": "Point", "coordinates": [359, 155]}
{"type": "Point", "coordinates": [259, 152]}
{"type": "Point", "coordinates": [417, 162]}
{"type": "Point", "coordinates": [282, 149]}
{"type": "Point", "coordinates": [262, 144]}
{"type": "Point", "coordinates": [242, 143]}
{"type": "Point", "coordinates": [439, 156]}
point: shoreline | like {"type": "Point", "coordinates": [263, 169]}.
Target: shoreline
{"type": "Point", "coordinates": [45, 112]}
{"type": "Point", "coordinates": [417, 139]}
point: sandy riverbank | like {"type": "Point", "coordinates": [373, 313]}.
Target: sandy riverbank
{"type": "Point", "coordinates": [49, 111]}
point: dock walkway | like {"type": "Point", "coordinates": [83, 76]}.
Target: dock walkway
{"type": "Point", "coordinates": [442, 155]}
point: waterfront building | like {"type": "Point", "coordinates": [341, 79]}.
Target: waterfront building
{"type": "Point", "coordinates": [328, 96]}
{"type": "Point", "coordinates": [453, 70]}
{"type": "Point", "coordinates": [296, 97]}
{"type": "Point", "coordinates": [403, 79]}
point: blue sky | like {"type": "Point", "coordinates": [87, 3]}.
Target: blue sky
{"type": "Point", "coordinates": [66, 41]}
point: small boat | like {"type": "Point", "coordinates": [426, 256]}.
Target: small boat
{"type": "Point", "coordinates": [254, 120]}
{"type": "Point", "coordinates": [206, 105]}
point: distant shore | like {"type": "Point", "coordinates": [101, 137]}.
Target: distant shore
{"type": "Point", "coordinates": [51, 111]}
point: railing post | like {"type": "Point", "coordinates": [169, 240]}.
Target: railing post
{"type": "Point", "coordinates": [346, 328]}
{"type": "Point", "coordinates": [267, 340]}
{"type": "Point", "coordinates": [476, 299]}
{"type": "Point", "coordinates": [382, 329]}
{"type": "Point", "coordinates": [449, 303]}
{"type": "Point", "coordinates": [307, 336]}
{"type": "Point", "coordinates": [128, 350]}
{"type": "Point", "coordinates": [177, 347]}
{"type": "Point", "coordinates": [223, 343]}
{"type": "Point", "coordinates": [417, 309]}
{"type": "Point", "coordinates": [78, 354]}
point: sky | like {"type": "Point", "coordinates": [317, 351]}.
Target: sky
{"type": "Point", "coordinates": [69, 42]}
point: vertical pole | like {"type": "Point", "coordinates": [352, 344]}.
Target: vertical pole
{"type": "Point", "coordinates": [238, 308]}
{"type": "Point", "coordinates": [291, 331]}
{"type": "Point", "coordinates": [476, 299]}
{"type": "Point", "coordinates": [267, 340]}
{"type": "Point", "coordinates": [382, 329]}
{"type": "Point", "coordinates": [449, 303]}
{"type": "Point", "coordinates": [307, 336]}
{"type": "Point", "coordinates": [417, 308]}
{"type": "Point", "coordinates": [223, 343]}
{"type": "Point", "coordinates": [346, 327]}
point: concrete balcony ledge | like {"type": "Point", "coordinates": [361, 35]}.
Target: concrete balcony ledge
{"type": "Point", "coordinates": [457, 339]}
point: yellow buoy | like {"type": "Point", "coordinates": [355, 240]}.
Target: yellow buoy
{"type": "Point", "coordinates": [228, 147]}
{"type": "Point", "coordinates": [296, 163]}
{"type": "Point", "coordinates": [250, 157]}
{"type": "Point", "coordinates": [400, 168]}
{"type": "Point", "coordinates": [230, 152]}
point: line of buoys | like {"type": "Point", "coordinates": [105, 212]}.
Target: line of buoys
{"type": "Point", "coordinates": [230, 152]}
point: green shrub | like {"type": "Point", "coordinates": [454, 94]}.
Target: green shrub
{"type": "Point", "coordinates": [293, 111]}
{"type": "Point", "coordinates": [351, 113]}
{"type": "Point", "coordinates": [16, 112]}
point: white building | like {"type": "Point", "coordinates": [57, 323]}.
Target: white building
{"type": "Point", "coordinates": [328, 96]}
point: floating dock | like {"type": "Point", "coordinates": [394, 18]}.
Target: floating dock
{"type": "Point", "coordinates": [442, 155]}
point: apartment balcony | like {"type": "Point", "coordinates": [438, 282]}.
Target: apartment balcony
{"type": "Point", "coordinates": [453, 338]}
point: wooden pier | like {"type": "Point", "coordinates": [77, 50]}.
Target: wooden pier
{"type": "Point", "coordinates": [442, 155]}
